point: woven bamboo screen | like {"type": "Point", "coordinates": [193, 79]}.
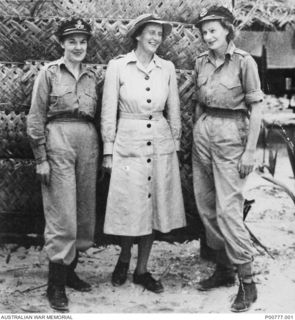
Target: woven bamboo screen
{"type": "Point", "coordinates": [27, 36]}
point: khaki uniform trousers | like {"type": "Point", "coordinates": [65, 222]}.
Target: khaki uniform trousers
{"type": "Point", "coordinates": [218, 145]}
{"type": "Point", "coordinates": [70, 199]}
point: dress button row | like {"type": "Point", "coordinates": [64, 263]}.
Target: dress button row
{"type": "Point", "coordinates": [147, 77]}
{"type": "Point", "coordinates": [150, 117]}
{"type": "Point", "coordinates": [149, 178]}
{"type": "Point", "coordinates": [148, 89]}
{"type": "Point", "coordinates": [149, 101]}
{"type": "Point", "coordinates": [148, 125]}
{"type": "Point", "coordinates": [148, 160]}
{"type": "Point", "coordinates": [149, 195]}
{"type": "Point", "coordinates": [148, 143]}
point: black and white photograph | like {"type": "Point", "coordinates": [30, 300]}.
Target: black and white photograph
{"type": "Point", "coordinates": [147, 159]}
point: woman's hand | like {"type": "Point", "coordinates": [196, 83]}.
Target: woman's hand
{"type": "Point", "coordinates": [246, 163]}
{"type": "Point", "coordinates": [43, 172]}
{"type": "Point", "coordinates": [107, 163]}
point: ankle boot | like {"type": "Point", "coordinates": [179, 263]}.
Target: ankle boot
{"type": "Point", "coordinates": [222, 276]}
{"type": "Point", "coordinates": [247, 294]}
{"type": "Point", "coordinates": [73, 281]}
{"type": "Point", "coordinates": [56, 287]}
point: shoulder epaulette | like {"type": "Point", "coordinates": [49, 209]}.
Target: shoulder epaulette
{"type": "Point", "coordinates": [119, 56]}
{"type": "Point", "coordinates": [241, 52]}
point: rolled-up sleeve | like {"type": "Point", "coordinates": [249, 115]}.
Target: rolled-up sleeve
{"type": "Point", "coordinates": [173, 107]}
{"type": "Point", "coordinates": [36, 119]}
{"type": "Point", "coordinates": [110, 101]}
{"type": "Point", "coordinates": [251, 81]}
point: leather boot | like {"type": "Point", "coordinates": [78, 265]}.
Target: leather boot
{"type": "Point", "coordinates": [247, 294]}
{"type": "Point", "coordinates": [56, 287]}
{"type": "Point", "coordinates": [73, 281]}
{"type": "Point", "coordinates": [222, 276]}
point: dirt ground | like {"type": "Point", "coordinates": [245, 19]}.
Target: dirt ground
{"type": "Point", "coordinates": [271, 219]}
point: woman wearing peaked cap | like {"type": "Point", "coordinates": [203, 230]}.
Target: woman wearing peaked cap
{"type": "Point", "coordinates": [140, 147]}
{"type": "Point", "coordinates": [65, 145]}
{"type": "Point", "coordinates": [228, 113]}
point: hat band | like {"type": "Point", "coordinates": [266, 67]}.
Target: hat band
{"type": "Point", "coordinates": [72, 30]}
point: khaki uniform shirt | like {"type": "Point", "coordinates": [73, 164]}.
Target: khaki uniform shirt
{"type": "Point", "coordinates": [233, 85]}
{"type": "Point", "coordinates": [56, 91]}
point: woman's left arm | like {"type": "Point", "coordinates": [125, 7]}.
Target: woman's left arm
{"type": "Point", "coordinates": [173, 107]}
{"type": "Point", "coordinates": [254, 99]}
{"type": "Point", "coordinates": [247, 160]}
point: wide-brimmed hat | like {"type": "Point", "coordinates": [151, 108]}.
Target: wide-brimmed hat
{"type": "Point", "coordinates": [214, 13]}
{"type": "Point", "coordinates": [73, 26]}
{"type": "Point", "coordinates": [148, 18]}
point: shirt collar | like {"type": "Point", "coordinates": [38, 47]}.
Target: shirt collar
{"type": "Point", "coordinates": [228, 53]}
{"type": "Point", "coordinates": [84, 67]}
{"type": "Point", "coordinates": [131, 57]}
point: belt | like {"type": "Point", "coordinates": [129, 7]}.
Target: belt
{"type": "Point", "coordinates": [141, 116]}
{"type": "Point", "coordinates": [71, 117]}
{"type": "Point", "coordinates": [225, 113]}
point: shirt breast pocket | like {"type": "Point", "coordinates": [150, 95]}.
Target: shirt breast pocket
{"type": "Point", "coordinates": [60, 97]}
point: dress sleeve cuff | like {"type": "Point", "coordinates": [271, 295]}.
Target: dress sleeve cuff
{"type": "Point", "coordinates": [108, 148]}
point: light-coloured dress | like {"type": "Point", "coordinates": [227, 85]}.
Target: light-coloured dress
{"type": "Point", "coordinates": [145, 189]}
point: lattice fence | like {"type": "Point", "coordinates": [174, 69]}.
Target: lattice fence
{"type": "Point", "coordinates": [33, 38]}
{"type": "Point", "coordinates": [173, 10]}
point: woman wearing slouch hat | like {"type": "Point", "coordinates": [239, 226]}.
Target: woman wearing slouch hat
{"type": "Point", "coordinates": [140, 147]}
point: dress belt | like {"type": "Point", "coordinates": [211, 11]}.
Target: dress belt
{"type": "Point", "coordinates": [225, 113]}
{"type": "Point", "coordinates": [71, 117]}
{"type": "Point", "coordinates": [141, 116]}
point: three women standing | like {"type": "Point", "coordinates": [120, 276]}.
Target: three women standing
{"type": "Point", "coordinates": [140, 147]}
{"type": "Point", "coordinates": [64, 140]}
{"type": "Point", "coordinates": [228, 113]}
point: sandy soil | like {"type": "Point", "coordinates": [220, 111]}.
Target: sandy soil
{"type": "Point", "coordinates": [271, 219]}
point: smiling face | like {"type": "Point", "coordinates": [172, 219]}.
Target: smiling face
{"type": "Point", "coordinates": [214, 35]}
{"type": "Point", "coordinates": [150, 38]}
{"type": "Point", "coordinates": [75, 47]}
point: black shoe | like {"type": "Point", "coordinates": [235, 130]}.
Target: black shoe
{"type": "Point", "coordinates": [219, 278]}
{"type": "Point", "coordinates": [148, 282]}
{"type": "Point", "coordinates": [57, 298]}
{"type": "Point", "coordinates": [119, 275]}
{"type": "Point", "coordinates": [56, 287]}
{"type": "Point", "coordinates": [74, 282]}
{"type": "Point", "coordinates": [247, 294]}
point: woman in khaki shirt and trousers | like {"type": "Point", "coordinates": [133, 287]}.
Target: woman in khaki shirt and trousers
{"type": "Point", "coordinates": [140, 147]}
{"type": "Point", "coordinates": [64, 140]}
{"type": "Point", "coordinates": [228, 114]}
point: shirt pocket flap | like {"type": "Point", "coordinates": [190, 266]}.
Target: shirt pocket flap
{"type": "Point", "coordinates": [231, 83]}
{"type": "Point", "coordinates": [60, 91]}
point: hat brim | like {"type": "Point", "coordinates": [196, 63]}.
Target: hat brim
{"type": "Point", "coordinates": [210, 18]}
{"type": "Point", "coordinates": [167, 27]}
{"type": "Point", "coordinates": [68, 33]}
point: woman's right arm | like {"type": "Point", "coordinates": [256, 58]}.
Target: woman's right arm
{"type": "Point", "coordinates": [36, 121]}
{"type": "Point", "coordinates": [110, 101]}
{"type": "Point", "coordinates": [198, 109]}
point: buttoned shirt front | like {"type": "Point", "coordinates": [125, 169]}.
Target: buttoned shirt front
{"type": "Point", "coordinates": [233, 85]}
{"type": "Point", "coordinates": [56, 91]}
{"type": "Point", "coordinates": [131, 88]}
